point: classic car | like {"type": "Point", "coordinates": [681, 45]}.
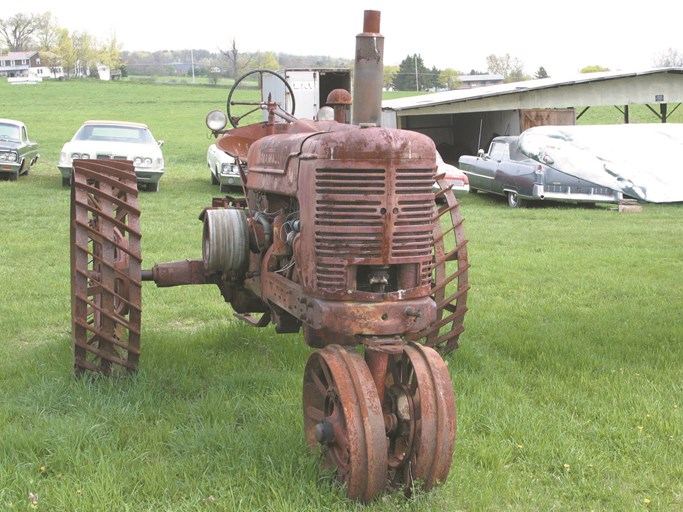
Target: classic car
{"type": "Point", "coordinates": [506, 171]}
{"type": "Point", "coordinates": [454, 177]}
{"type": "Point", "coordinates": [115, 140]}
{"type": "Point", "coordinates": [17, 152]}
{"type": "Point", "coordinates": [224, 169]}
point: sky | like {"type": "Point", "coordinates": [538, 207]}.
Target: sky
{"type": "Point", "coordinates": [563, 37]}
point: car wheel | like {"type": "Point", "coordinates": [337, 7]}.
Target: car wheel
{"type": "Point", "coordinates": [214, 180]}
{"type": "Point", "coordinates": [514, 201]}
{"type": "Point", "coordinates": [14, 176]}
{"type": "Point", "coordinates": [473, 190]}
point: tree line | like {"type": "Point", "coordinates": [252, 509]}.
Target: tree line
{"type": "Point", "coordinates": [76, 53]}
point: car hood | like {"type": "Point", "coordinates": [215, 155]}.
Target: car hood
{"type": "Point", "coordinates": [9, 144]}
{"type": "Point", "coordinates": [112, 148]}
{"type": "Point", "coordinates": [640, 160]}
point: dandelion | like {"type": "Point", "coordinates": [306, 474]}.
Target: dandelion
{"type": "Point", "coordinates": [640, 428]}
{"type": "Point", "coordinates": [647, 501]}
{"type": "Point", "coordinates": [566, 466]}
{"type": "Point", "coordinates": [42, 469]}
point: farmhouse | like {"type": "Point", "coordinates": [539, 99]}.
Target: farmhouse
{"type": "Point", "coordinates": [27, 65]}
{"type": "Point", "coordinates": [462, 121]}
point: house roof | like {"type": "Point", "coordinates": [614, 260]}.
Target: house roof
{"type": "Point", "coordinates": [18, 55]}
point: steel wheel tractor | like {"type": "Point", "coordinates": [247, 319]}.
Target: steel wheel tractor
{"type": "Point", "coordinates": [342, 235]}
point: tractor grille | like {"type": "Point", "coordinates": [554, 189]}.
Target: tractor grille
{"type": "Point", "coordinates": [372, 215]}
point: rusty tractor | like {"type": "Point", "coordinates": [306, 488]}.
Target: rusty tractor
{"type": "Point", "coordinates": [340, 234]}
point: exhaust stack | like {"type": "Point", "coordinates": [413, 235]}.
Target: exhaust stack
{"type": "Point", "coordinates": [368, 73]}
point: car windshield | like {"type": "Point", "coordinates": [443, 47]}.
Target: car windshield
{"type": "Point", "coordinates": [9, 132]}
{"type": "Point", "coordinates": [114, 133]}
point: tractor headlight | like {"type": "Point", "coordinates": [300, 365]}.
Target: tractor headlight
{"type": "Point", "coordinates": [216, 120]}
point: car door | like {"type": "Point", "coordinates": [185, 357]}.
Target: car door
{"type": "Point", "coordinates": [501, 171]}
{"type": "Point", "coordinates": [481, 170]}
{"type": "Point", "coordinates": [31, 146]}
{"type": "Point", "coordinates": [516, 176]}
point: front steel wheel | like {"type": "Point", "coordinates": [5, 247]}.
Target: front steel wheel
{"type": "Point", "coordinates": [343, 416]}
{"type": "Point", "coordinates": [419, 408]}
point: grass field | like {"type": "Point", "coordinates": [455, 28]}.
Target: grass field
{"type": "Point", "coordinates": [568, 378]}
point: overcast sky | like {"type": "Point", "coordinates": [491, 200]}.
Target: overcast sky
{"type": "Point", "coordinates": [563, 37]}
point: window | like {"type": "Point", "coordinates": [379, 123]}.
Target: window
{"type": "Point", "coordinates": [499, 151]}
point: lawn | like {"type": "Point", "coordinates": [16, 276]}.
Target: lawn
{"type": "Point", "coordinates": [568, 378]}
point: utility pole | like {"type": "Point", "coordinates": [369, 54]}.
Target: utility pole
{"type": "Point", "coordinates": [417, 78]}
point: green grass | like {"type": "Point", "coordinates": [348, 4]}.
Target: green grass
{"type": "Point", "coordinates": [568, 378]}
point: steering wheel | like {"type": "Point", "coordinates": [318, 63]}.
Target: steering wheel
{"type": "Point", "coordinates": [264, 104]}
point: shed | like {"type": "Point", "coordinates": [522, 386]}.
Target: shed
{"type": "Point", "coordinates": [462, 121]}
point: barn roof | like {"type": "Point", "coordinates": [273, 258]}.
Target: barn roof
{"type": "Point", "coordinates": [660, 85]}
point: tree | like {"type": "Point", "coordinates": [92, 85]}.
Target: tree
{"type": "Point", "coordinates": [47, 33]}
{"type": "Point", "coordinates": [449, 78]}
{"type": "Point", "coordinates": [541, 73]}
{"type": "Point", "coordinates": [85, 52]}
{"type": "Point", "coordinates": [16, 33]}
{"type": "Point", "coordinates": [669, 58]}
{"type": "Point", "coordinates": [266, 60]}
{"type": "Point", "coordinates": [66, 52]}
{"type": "Point", "coordinates": [511, 68]}
{"type": "Point", "coordinates": [389, 74]}
{"type": "Point", "coordinates": [412, 75]}
{"type": "Point", "coordinates": [236, 65]}
{"type": "Point", "coordinates": [109, 53]}
{"type": "Point", "coordinates": [593, 69]}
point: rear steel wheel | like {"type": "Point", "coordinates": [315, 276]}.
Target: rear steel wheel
{"type": "Point", "coordinates": [105, 266]}
{"type": "Point", "coordinates": [449, 274]}
{"type": "Point", "coordinates": [419, 408]}
{"type": "Point", "coordinates": [342, 415]}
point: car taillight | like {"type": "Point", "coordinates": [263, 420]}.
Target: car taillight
{"type": "Point", "coordinates": [539, 169]}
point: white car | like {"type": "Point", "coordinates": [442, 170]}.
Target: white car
{"type": "Point", "coordinates": [225, 171]}
{"type": "Point", "coordinates": [115, 140]}
{"type": "Point", "coordinates": [458, 180]}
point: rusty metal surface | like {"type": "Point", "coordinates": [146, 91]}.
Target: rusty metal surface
{"type": "Point", "coordinates": [449, 275]}
{"type": "Point", "coordinates": [418, 406]}
{"type": "Point", "coordinates": [422, 450]}
{"type": "Point", "coordinates": [178, 273]}
{"type": "Point", "coordinates": [368, 72]}
{"type": "Point", "coordinates": [105, 266]}
{"type": "Point", "coordinates": [343, 416]}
